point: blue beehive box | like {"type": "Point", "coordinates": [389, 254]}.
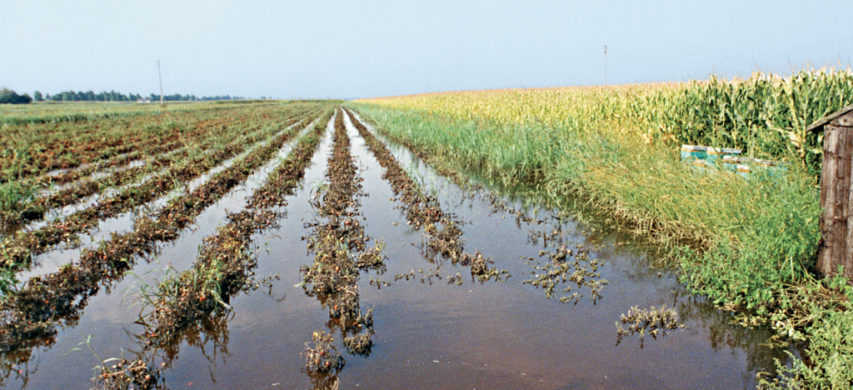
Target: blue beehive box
{"type": "Point", "coordinates": [694, 152]}
{"type": "Point", "coordinates": [773, 168]}
{"type": "Point", "coordinates": [715, 154]}
{"type": "Point", "coordinates": [730, 163]}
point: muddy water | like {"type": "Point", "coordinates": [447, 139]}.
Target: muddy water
{"type": "Point", "coordinates": [439, 335]}
{"type": "Point", "coordinates": [109, 316]}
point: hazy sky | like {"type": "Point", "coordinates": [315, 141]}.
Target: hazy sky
{"type": "Point", "coordinates": [314, 48]}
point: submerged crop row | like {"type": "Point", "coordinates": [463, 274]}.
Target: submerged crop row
{"type": "Point", "coordinates": [18, 251]}
{"type": "Point", "coordinates": [201, 294]}
{"type": "Point", "coordinates": [424, 212]}
{"type": "Point", "coordinates": [156, 157]}
{"type": "Point", "coordinates": [29, 315]}
{"type": "Point", "coordinates": [338, 242]}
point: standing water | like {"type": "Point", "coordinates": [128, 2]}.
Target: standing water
{"type": "Point", "coordinates": [435, 325]}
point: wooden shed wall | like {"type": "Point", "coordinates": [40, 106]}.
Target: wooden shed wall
{"type": "Point", "coordinates": [836, 197]}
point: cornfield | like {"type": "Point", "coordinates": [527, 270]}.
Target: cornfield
{"type": "Point", "coordinates": [765, 115]}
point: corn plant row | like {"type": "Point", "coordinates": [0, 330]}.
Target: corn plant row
{"type": "Point", "coordinates": [17, 251]}
{"type": "Point", "coordinates": [766, 115]}
{"type": "Point", "coordinates": [30, 315]}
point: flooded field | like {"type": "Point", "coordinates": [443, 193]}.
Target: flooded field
{"type": "Point", "coordinates": [329, 257]}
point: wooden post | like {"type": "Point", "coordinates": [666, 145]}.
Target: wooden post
{"type": "Point", "coordinates": [836, 195]}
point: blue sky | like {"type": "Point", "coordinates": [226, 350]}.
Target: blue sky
{"type": "Point", "coordinates": [345, 49]}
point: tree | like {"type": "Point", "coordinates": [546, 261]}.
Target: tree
{"type": "Point", "coordinates": [9, 96]}
{"type": "Point", "coordinates": [37, 96]}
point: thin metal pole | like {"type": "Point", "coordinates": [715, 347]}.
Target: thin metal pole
{"type": "Point", "coordinates": [605, 64]}
{"type": "Point", "coordinates": [160, 75]}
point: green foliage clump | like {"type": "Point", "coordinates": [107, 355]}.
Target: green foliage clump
{"type": "Point", "coordinates": [8, 96]}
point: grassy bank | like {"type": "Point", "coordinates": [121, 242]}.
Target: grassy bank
{"type": "Point", "coordinates": [749, 243]}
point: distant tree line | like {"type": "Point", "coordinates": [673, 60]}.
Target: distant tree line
{"type": "Point", "coordinates": [9, 96]}
{"type": "Point", "coordinates": [113, 96]}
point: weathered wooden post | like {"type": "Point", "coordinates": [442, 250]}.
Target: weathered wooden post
{"type": "Point", "coordinates": [836, 194]}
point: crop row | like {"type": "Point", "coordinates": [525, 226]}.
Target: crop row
{"type": "Point", "coordinates": [223, 269]}
{"type": "Point", "coordinates": [224, 258]}
{"type": "Point", "coordinates": [30, 315]}
{"type": "Point", "coordinates": [83, 111]}
{"type": "Point", "coordinates": [338, 242]}
{"type": "Point", "coordinates": [17, 252]}
{"type": "Point", "coordinates": [36, 208]}
{"type": "Point", "coordinates": [36, 149]}
{"type": "Point", "coordinates": [179, 129]}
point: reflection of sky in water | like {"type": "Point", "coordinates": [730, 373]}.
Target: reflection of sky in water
{"type": "Point", "coordinates": [489, 335]}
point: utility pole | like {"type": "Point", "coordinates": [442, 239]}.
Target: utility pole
{"type": "Point", "coordinates": [605, 64]}
{"type": "Point", "coordinates": [160, 75]}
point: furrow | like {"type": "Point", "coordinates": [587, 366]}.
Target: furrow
{"type": "Point", "coordinates": [17, 252]}
{"type": "Point", "coordinates": [118, 178]}
{"type": "Point", "coordinates": [55, 258]}
{"type": "Point", "coordinates": [30, 316]}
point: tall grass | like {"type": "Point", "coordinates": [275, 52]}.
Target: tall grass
{"type": "Point", "coordinates": [747, 243]}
